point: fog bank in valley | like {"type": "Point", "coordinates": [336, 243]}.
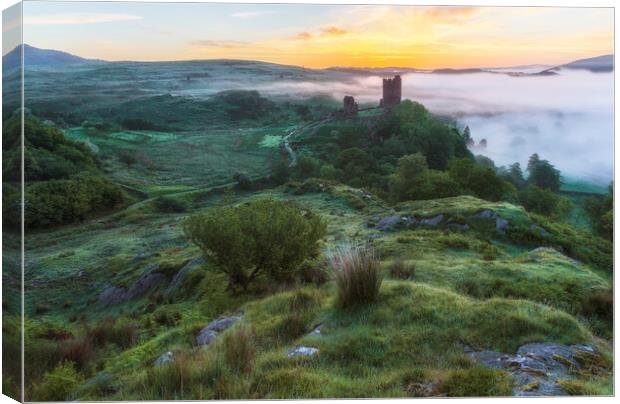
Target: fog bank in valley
{"type": "Point", "coordinates": [566, 118]}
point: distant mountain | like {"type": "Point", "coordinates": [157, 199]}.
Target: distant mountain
{"type": "Point", "coordinates": [459, 71]}
{"type": "Point", "coordinates": [37, 57]}
{"type": "Point", "coordinates": [598, 64]}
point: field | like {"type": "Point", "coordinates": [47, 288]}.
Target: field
{"type": "Point", "coordinates": [112, 293]}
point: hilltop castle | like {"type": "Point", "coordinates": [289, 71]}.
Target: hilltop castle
{"type": "Point", "coordinates": [392, 95]}
{"type": "Point", "coordinates": [392, 92]}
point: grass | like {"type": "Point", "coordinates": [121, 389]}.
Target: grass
{"type": "Point", "coordinates": [457, 297]}
{"type": "Point", "coordinates": [357, 275]}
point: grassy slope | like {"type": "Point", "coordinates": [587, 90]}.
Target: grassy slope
{"type": "Point", "coordinates": [458, 295]}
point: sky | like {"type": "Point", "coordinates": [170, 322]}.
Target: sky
{"type": "Point", "coordinates": [321, 35]}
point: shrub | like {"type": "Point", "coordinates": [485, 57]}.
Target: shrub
{"type": "Point", "coordinates": [479, 180]}
{"type": "Point", "coordinates": [543, 201]}
{"type": "Point", "coordinates": [109, 330]}
{"type": "Point", "coordinates": [357, 275]}
{"type": "Point", "coordinates": [314, 272]}
{"type": "Point", "coordinates": [600, 303]}
{"type": "Point", "coordinates": [413, 180]}
{"type": "Point", "coordinates": [79, 350]}
{"type": "Point", "coordinates": [167, 317]}
{"type": "Point", "coordinates": [127, 157]}
{"type": "Point", "coordinates": [264, 237]}
{"type": "Point", "coordinates": [400, 269]}
{"type": "Point", "coordinates": [58, 384]}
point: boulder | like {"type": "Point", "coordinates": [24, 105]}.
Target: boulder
{"type": "Point", "coordinates": [165, 358]}
{"type": "Point", "coordinates": [484, 214]}
{"type": "Point", "coordinates": [388, 222]}
{"type": "Point", "coordinates": [501, 225]}
{"type": "Point", "coordinates": [302, 351]}
{"type": "Point", "coordinates": [212, 330]}
{"type": "Point", "coordinates": [432, 221]}
{"type": "Point", "coordinates": [458, 226]}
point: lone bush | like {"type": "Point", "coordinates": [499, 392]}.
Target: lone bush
{"type": "Point", "coordinates": [263, 237]}
{"type": "Point", "coordinates": [357, 275]}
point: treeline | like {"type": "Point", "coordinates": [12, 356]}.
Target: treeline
{"type": "Point", "coordinates": [63, 180]}
{"type": "Point", "coordinates": [412, 155]}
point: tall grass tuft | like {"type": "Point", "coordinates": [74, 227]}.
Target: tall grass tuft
{"type": "Point", "coordinates": [357, 275]}
{"type": "Point", "coordinates": [239, 349]}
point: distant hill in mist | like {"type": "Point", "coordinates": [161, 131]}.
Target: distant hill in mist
{"type": "Point", "coordinates": [37, 57]}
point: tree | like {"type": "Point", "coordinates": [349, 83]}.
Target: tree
{"type": "Point", "coordinates": [479, 180]}
{"type": "Point", "coordinates": [544, 201]}
{"type": "Point", "coordinates": [515, 176]}
{"type": "Point", "coordinates": [543, 174]}
{"type": "Point", "coordinates": [307, 166]}
{"type": "Point", "coordinates": [600, 211]}
{"type": "Point", "coordinates": [263, 237]}
{"type": "Point", "coordinates": [413, 180]}
{"type": "Point", "coordinates": [469, 141]}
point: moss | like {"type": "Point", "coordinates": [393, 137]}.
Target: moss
{"type": "Point", "coordinates": [476, 382]}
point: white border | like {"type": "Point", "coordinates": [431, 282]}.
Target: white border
{"type": "Point", "coordinates": [551, 3]}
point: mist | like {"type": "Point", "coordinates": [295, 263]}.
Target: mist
{"type": "Point", "coordinates": [566, 118]}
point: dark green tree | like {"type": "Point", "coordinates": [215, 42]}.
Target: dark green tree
{"type": "Point", "coordinates": [261, 238]}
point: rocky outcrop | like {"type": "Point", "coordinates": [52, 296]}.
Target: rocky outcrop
{"type": "Point", "coordinates": [147, 281]}
{"type": "Point", "coordinates": [180, 276]}
{"type": "Point", "coordinates": [212, 330]}
{"type": "Point", "coordinates": [537, 367]}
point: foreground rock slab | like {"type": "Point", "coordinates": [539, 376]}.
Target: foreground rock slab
{"type": "Point", "coordinates": [536, 367]}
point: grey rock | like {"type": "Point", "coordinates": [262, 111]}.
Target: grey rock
{"type": "Point", "coordinates": [388, 222]}
{"type": "Point", "coordinates": [432, 221]}
{"type": "Point", "coordinates": [316, 332]}
{"type": "Point", "coordinates": [302, 351]}
{"type": "Point", "coordinates": [180, 275]}
{"type": "Point", "coordinates": [165, 358]}
{"type": "Point", "coordinates": [458, 226]}
{"type": "Point", "coordinates": [539, 230]}
{"type": "Point", "coordinates": [147, 281]}
{"type": "Point", "coordinates": [484, 214]}
{"type": "Point", "coordinates": [536, 367]}
{"type": "Point", "coordinates": [212, 330]}
{"type": "Point", "coordinates": [206, 337]}
{"type": "Point", "coordinates": [501, 225]}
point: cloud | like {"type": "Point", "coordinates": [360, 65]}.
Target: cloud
{"type": "Point", "coordinates": [250, 14]}
{"type": "Point", "coordinates": [223, 44]}
{"type": "Point", "coordinates": [333, 31]}
{"type": "Point", "coordinates": [450, 13]}
{"type": "Point", "coordinates": [304, 36]}
{"type": "Point", "coordinates": [327, 31]}
{"type": "Point", "coordinates": [78, 18]}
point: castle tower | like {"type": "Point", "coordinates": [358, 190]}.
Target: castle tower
{"type": "Point", "coordinates": [392, 92]}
